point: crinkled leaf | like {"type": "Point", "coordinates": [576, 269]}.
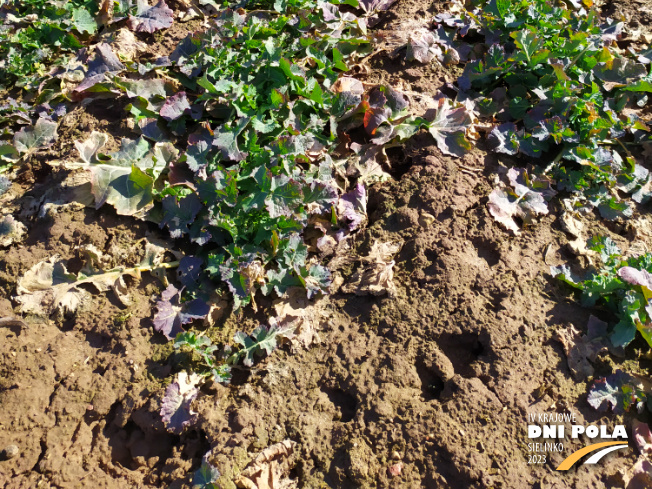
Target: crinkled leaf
{"type": "Point", "coordinates": [104, 62]}
{"type": "Point", "coordinates": [262, 339]}
{"type": "Point", "coordinates": [175, 406]}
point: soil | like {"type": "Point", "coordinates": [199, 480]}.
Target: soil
{"type": "Point", "coordinates": [436, 380]}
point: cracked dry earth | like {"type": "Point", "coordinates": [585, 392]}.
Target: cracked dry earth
{"type": "Point", "coordinates": [433, 383]}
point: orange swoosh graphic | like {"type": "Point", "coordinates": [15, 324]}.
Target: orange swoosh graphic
{"type": "Point", "coordinates": [575, 456]}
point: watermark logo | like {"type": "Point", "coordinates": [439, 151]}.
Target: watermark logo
{"type": "Point", "coordinates": [547, 426]}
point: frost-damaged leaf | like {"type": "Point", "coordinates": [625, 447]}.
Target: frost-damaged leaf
{"type": "Point", "coordinates": [48, 287]}
{"type": "Point", "coordinates": [370, 6]}
{"type": "Point", "coordinates": [205, 475]}
{"type": "Point", "coordinates": [172, 313]}
{"type": "Point", "coordinates": [377, 273]}
{"type": "Point", "coordinates": [352, 207]}
{"type": "Point", "coordinates": [41, 135]}
{"type": "Point", "coordinates": [11, 231]}
{"type": "Point", "coordinates": [270, 469]}
{"type": "Point", "coordinates": [619, 392]}
{"type": "Point", "coordinates": [104, 62]}
{"type": "Point", "coordinates": [175, 407]}
{"type": "Point", "coordinates": [304, 315]}
{"type": "Point", "coordinates": [503, 139]}
{"type": "Point", "coordinates": [520, 201]}
{"type": "Point", "coordinates": [175, 107]}
{"type": "Point", "coordinates": [636, 277]}
{"type": "Point", "coordinates": [422, 47]}
{"type": "Point", "coordinates": [126, 180]}
{"type": "Point", "coordinates": [642, 436]}
{"type": "Point", "coordinates": [449, 128]}
{"type": "Point", "coordinates": [88, 149]}
{"type": "Point", "coordinates": [151, 18]}
{"type": "Point", "coordinates": [262, 339]}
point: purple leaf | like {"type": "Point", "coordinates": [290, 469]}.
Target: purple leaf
{"type": "Point", "coordinates": [619, 392]}
{"type": "Point", "coordinates": [149, 19]}
{"type": "Point", "coordinates": [636, 277]}
{"type": "Point", "coordinates": [189, 270]}
{"type": "Point", "coordinates": [175, 408]}
{"type": "Point", "coordinates": [172, 314]}
{"type": "Point", "coordinates": [105, 61]}
{"type": "Point", "coordinates": [352, 207]}
{"type": "Point", "coordinates": [175, 107]}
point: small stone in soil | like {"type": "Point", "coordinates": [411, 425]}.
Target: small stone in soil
{"type": "Point", "coordinates": [9, 452]}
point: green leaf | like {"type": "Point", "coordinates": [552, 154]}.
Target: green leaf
{"type": "Point", "coordinates": [84, 21]}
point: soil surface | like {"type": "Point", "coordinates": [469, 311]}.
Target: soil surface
{"type": "Point", "coordinates": [428, 388]}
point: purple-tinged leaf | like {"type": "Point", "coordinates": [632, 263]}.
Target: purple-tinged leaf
{"type": "Point", "coordinates": [370, 6]}
{"type": "Point", "coordinates": [636, 277]}
{"type": "Point", "coordinates": [104, 62]}
{"type": "Point", "coordinates": [189, 271]}
{"type": "Point", "coordinates": [175, 407]}
{"type": "Point", "coordinates": [422, 47]}
{"type": "Point", "coordinates": [352, 207]}
{"type": "Point", "coordinates": [226, 140]}
{"type": "Point", "coordinates": [175, 107]}
{"type": "Point", "coordinates": [172, 313]}
{"type": "Point", "coordinates": [619, 392]}
{"type": "Point", "coordinates": [151, 18]}
{"type": "Point", "coordinates": [449, 128]}
{"type": "Point", "coordinates": [178, 215]}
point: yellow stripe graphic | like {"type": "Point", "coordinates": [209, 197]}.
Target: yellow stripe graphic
{"type": "Point", "coordinates": [575, 456]}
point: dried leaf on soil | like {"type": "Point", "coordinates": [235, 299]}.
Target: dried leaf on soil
{"type": "Point", "coordinates": [520, 201]}
{"type": "Point", "coordinates": [581, 350]}
{"type": "Point", "coordinates": [377, 273]}
{"type": "Point", "coordinates": [175, 407]}
{"type": "Point", "coordinates": [270, 468]}
{"type": "Point", "coordinates": [304, 315]}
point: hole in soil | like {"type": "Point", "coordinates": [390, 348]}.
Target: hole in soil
{"type": "Point", "coordinates": [398, 162]}
{"type": "Point", "coordinates": [487, 251]}
{"type": "Point", "coordinates": [431, 384]}
{"type": "Point", "coordinates": [345, 402]}
{"type": "Point", "coordinates": [462, 350]}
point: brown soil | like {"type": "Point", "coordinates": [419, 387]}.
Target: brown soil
{"type": "Point", "coordinates": [439, 377]}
